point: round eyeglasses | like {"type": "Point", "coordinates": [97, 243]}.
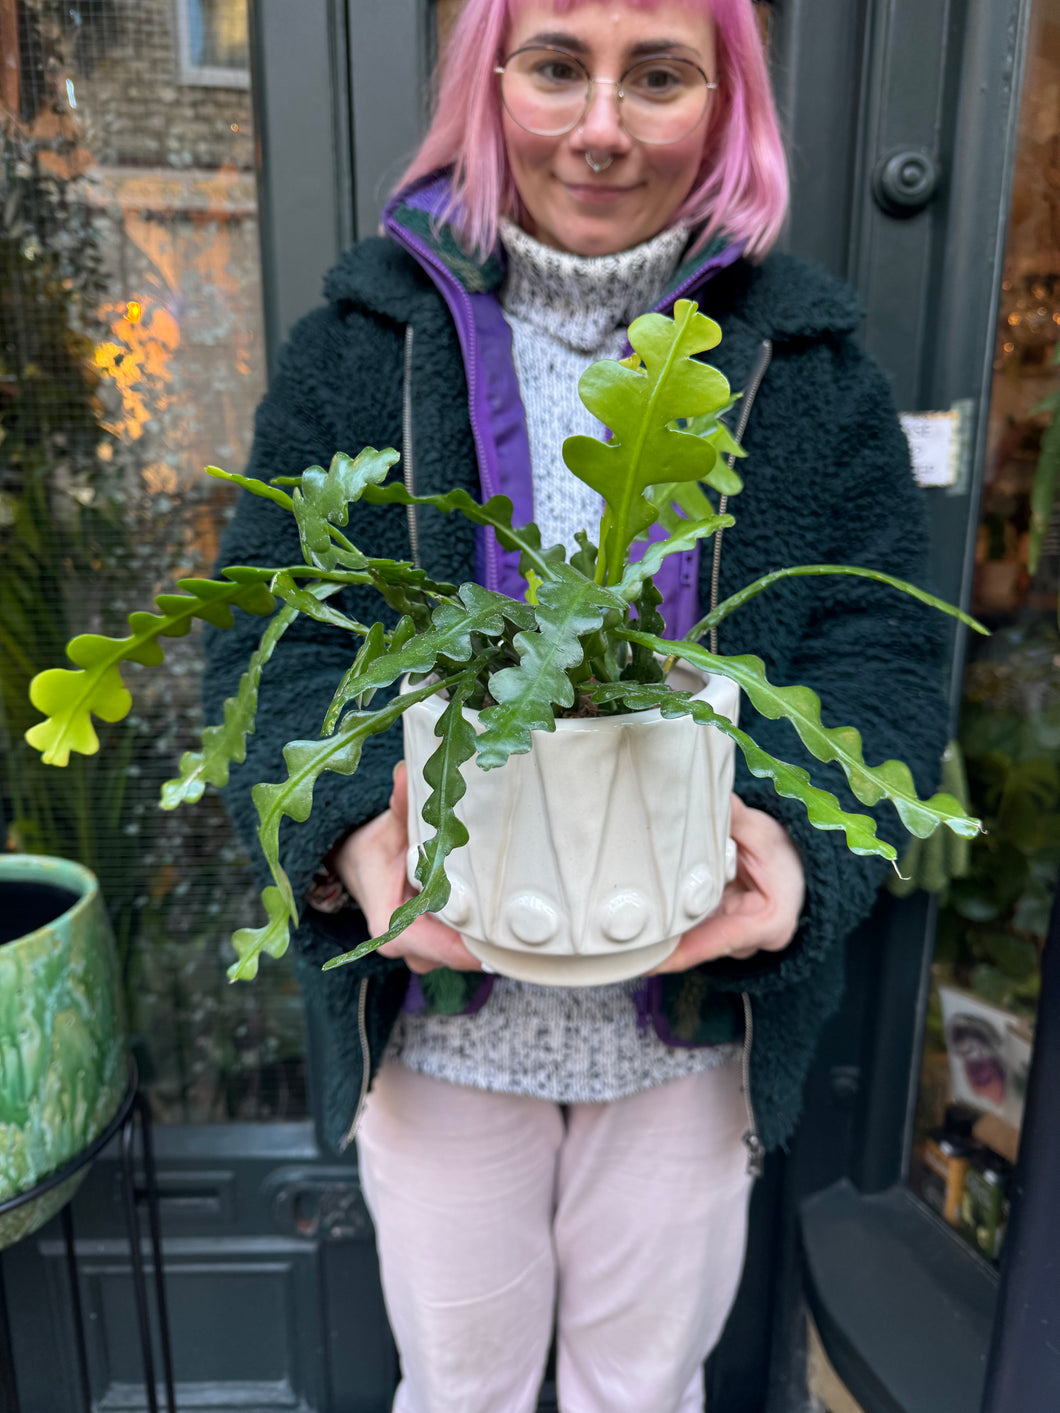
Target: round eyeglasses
{"type": "Point", "coordinates": [548, 92]}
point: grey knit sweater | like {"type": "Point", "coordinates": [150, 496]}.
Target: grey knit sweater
{"type": "Point", "coordinates": [577, 1044]}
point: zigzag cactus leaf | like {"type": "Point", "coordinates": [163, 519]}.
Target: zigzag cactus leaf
{"type": "Point", "coordinates": [892, 780]}
{"type": "Point", "coordinates": [264, 489]}
{"type": "Point", "coordinates": [322, 499]}
{"type": "Point", "coordinates": [308, 601]}
{"type": "Point", "coordinates": [495, 513]}
{"type": "Point", "coordinates": [568, 607]}
{"type": "Point", "coordinates": [273, 937]}
{"type": "Point", "coordinates": [640, 404]}
{"type": "Point", "coordinates": [227, 742]}
{"type": "Point", "coordinates": [69, 699]}
{"type": "Point", "coordinates": [478, 610]}
{"type": "Point", "coordinates": [680, 539]}
{"type": "Point", "coordinates": [374, 645]}
{"type": "Point", "coordinates": [442, 772]}
{"type": "Point", "coordinates": [822, 808]}
{"type": "Point", "coordinates": [293, 798]}
{"type": "Point", "coordinates": [750, 591]}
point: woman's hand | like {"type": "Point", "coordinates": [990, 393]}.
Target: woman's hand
{"type": "Point", "coordinates": [759, 909]}
{"type": "Point", "coordinates": [371, 863]}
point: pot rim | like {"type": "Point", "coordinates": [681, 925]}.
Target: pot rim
{"type": "Point", "coordinates": [66, 874]}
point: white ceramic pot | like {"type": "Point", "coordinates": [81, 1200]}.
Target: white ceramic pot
{"type": "Point", "coordinates": [590, 855]}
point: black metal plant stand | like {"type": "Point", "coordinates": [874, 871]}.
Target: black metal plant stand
{"type": "Point", "coordinates": [133, 1112]}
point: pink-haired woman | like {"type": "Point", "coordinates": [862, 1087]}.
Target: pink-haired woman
{"type": "Point", "coordinates": [539, 1161]}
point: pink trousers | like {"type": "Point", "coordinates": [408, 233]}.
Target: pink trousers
{"type": "Point", "coordinates": [499, 1217]}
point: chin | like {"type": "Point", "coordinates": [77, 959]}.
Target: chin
{"type": "Point", "coordinates": [601, 240]}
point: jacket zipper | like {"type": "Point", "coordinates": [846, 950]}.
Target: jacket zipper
{"type": "Point", "coordinates": [758, 372]}
{"type": "Point", "coordinates": [366, 1061]}
{"type": "Point", "coordinates": [751, 1140]}
{"type": "Point", "coordinates": [430, 262]}
{"type": "Point", "coordinates": [406, 442]}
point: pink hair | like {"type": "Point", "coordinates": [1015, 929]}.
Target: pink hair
{"type": "Point", "coordinates": [743, 186]}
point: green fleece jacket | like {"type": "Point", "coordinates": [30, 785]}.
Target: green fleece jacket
{"type": "Point", "coordinates": [827, 479]}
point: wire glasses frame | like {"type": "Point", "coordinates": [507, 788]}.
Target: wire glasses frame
{"type": "Point", "coordinates": [548, 92]}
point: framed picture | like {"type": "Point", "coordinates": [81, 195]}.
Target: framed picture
{"type": "Point", "coordinates": [989, 1053]}
{"type": "Point", "coordinates": [213, 43]}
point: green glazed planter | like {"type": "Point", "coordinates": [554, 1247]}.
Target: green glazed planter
{"type": "Point", "coordinates": [63, 1066]}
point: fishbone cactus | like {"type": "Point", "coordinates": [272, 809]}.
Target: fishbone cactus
{"type": "Point", "coordinates": [587, 634]}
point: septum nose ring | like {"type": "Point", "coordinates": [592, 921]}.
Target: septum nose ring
{"type": "Point", "coordinates": [598, 166]}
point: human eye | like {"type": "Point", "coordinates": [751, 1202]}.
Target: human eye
{"type": "Point", "coordinates": [658, 79]}
{"type": "Point", "coordinates": [556, 70]}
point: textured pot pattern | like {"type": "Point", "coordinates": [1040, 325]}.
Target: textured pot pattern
{"type": "Point", "coordinates": [63, 1068]}
{"type": "Point", "coordinates": [591, 854]}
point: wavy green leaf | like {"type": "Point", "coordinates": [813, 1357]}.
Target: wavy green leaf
{"type": "Point", "coordinates": [477, 611]}
{"type": "Point", "coordinates": [227, 742]}
{"type": "Point", "coordinates": [892, 780]}
{"type": "Point", "coordinates": [679, 540]}
{"type": "Point", "coordinates": [292, 798]}
{"type": "Point", "coordinates": [569, 607]}
{"type": "Point", "coordinates": [639, 400]}
{"type": "Point", "coordinates": [442, 772]}
{"type": "Point", "coordinates": [822, 808]}
{"type": "Point", "coordinates": [70, 699]}
{"type": "Point", "coordinates": [374, 645]}
{"type": "Point", "coordinates": [322, 500]}
{"type": "Point", "coordinates": [750, 591]}
{"type": "Point", "coordinates": [496, 513]}
{"type": "Point", "coordinates": [264, 489]}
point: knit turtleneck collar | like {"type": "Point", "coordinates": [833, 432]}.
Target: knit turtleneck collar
{"type": "Point", "coordinates": [582, 299]}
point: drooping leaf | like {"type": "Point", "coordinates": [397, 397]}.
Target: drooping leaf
{"type": "Point", "coordinates": [70, 698]}
{"type": "Point", "coordinates": [442, 772]}
{"type": "Point", "coordinates": [801, 706]}
{"type": "Point", "coordinates": [822, 808]}
{"type": "Point", "coordinates": [227, 742]}
{"type": "Point", "coordinates": [640, 404]}
{"type": "Point", "coordinates": [293, 798]}
{"type": "Point", "coordinates": [569, 607]}
{"type": "Point", "coordinates": [750, 591]}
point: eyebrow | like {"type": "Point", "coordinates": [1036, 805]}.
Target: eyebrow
{"type": "Point", "coordinates": [557, 39]}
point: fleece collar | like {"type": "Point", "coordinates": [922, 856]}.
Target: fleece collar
{"type": "Point", "coordinates": [781, 299]}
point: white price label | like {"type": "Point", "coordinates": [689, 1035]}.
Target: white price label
{"type": "Point", "coordinates": [935, 445]}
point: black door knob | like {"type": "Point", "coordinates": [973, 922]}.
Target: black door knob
{"type": "Point", "coordinates": [905, 180]}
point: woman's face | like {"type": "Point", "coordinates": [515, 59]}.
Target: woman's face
{"type": "Point", "coordinates": [567, 205]}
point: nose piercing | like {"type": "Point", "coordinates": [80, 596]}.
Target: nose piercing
{"type": "Point", "coordinates": [599, 166]}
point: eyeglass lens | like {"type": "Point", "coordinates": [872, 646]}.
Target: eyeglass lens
{"type": "Point", "coordinates": [548, 92]}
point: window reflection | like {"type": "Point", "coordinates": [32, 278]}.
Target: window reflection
{"type": "Point", "coordinates": [993, 918]}
{"type": "Point", "coordinates": [131, 354]}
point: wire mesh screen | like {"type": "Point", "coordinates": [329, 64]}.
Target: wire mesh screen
{"type": "Point", "coordinates": [131, 354]}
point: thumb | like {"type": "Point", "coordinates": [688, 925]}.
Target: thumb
{"type": "Point", "coordinates": [399, 795]}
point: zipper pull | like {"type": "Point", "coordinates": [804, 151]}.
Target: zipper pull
{"type": "Point", "coordinates": [756, 1154]}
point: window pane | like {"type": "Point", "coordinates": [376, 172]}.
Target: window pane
{"type": "Point", "coordinates": [131, 355]}
{"type": "Point", "coordinates": [217, 33]}
{"type": "Point", "coordinates": [993, 918]}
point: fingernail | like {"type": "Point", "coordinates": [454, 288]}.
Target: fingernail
{"type": "Point", "coordinates": [490, 971]}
